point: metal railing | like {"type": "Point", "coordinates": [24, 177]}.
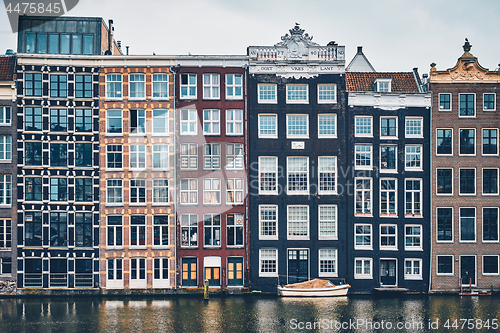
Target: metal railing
{"type": "Point", "coordinates": [84, 280]}
{"type": "Point", "coordinates": [59, 280]}
{"type": "Point", "coordinates": [33, 280]}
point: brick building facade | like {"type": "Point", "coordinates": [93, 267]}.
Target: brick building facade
{"type": "Point", "coordinates": [465, 186]}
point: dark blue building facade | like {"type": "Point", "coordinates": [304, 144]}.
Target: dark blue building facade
{"type": "Point", "coordinates": [388, 154]}
{"type": "Point", "coordinates": [297, 156]}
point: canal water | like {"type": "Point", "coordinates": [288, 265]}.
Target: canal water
{"type": "Point", "coordinates": [252, 313]}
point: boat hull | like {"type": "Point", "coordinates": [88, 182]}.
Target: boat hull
{"type": "Point", "coordinates": [315, 292]}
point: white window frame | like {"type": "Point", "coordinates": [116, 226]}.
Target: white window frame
{"type": "Point", "coordinates": [413, 214]}
{"type": "Point", "coordinates": [5, 190]}
{"type": "Point", "coordinates": [439, 102]}
{"type": "Point", "coordinates": [266, 170]}
{"type": "Point", "coordinates": [395, 191]}
{"type": "Point", "coordinates": [137, 84]}
{"type": "Point", "coordinates": [5, 115]}
{"type": "Point", "coordinates": [114, 227]}
{"type": "Point", "coordinates": [212, 161]}
{"type": "Point", "coordinates": [140, 114]}
{"type": "Point", "coordinates": [327, 169]}
{"type": "Point", "coordinates": [188, 86]}
{"type": "Point", "coordinates": [291, 228]}
{"type": "Point", "coordinates": [452, 225]}
{"type": "Point", "coordinates": [363, 275]}
{"type": "Point", "coordinates": [413, 276]}
{"type": "Point", "coordinates": [460, 226]}
{"type": "Point", "coordinates": [137, 228]}
{"type": "Point", "coordinates": [190, 123]}
{"type": "Point", "coordinates": [114, 117]}
{"type": "Point", "coordinates": [498, 265]}
{"type": "Point", "coordinates": [409, 127]}
{"type": "Point", "coordinates": [356, 126]}
{"type": "Point", "coordinates": [363, 167]}
{"type": "Point", "coordinates": [475, 141]}
{"type": "Point", "coordinates": [290, 95]}
{"type": "Point", "coordinates": [395, 236]}
{"type": "Point", "coordinates": [452, 182]}
{"type": "Point", "coordinates": [288, 125]}
{"type": "Point", "coordinates": [237, 124]}
{"type": "Point", "coordinates": [234, 161]}
{"type": "Point", "coordinates": [140, 151]}
{"type": "Point", "coordinates": [234, 87]}
{"type": "Point", "coordinates": [189, 191]}
{"type": "Point", "coordinates": [164, 116]}
{"type": "Point", "coordinates": [161, 192]}
{"type": "Point", "coordinates": [261, 221]}
{"type": "Point", "coordinates": [213, 86]}
{"type": "Point", "coordinates": [302, 172]}
{"type": "Point", "coordinates": [494, 102]}
{"type": "Point", "coordinates": [158, 79]}
{"type": "Point", "coordinates": [416, 154]}
{"type": "Point", "coordinates": [211, 229]}
{"type": "Point", "coordinates": [273, 91]}
{"type": "Point", "coordinates": [482, 145]}
{"type": "Point", "coordinates": [109, 77]}
{"type": "Point", "coordinates": [192, 237]}
{"type": "Point", "coordinates": [396, 160]}
{"type": "Point", "coordinates": [138, 283]}
{"type": "Point", "coordinates": [212, 185]}
{"type": "Point", "coordinates": [329, 261]}
{"type": "Point", "coordinates": [482, 225]}
{"type": "Point", "coordinates": [380, 82]}
{"type": "Point", "coordinates": [211, 122]}
{"type": "Point", "coordinates": [482, 182]}
{"type": "Point", "coordinates": [369, 212]}
{"type": "Point", "coordinates": [271, 255]}
{"type": "Point", "coordinates": [137, 183]}
{"type": "Point", "coordinates": [325, 91]}
{"type": "Point", "coordinates": [452, 265]}
{"type": "Point", "coordinates": [162, 151]}
{"type": "Point", "coordinates": [268, 136]}
{"type": "Point", "coordinates": [452, 143]}
{"type": "Point", "coordinates": [6, 235]}
{"type": "Point", "coordinates": [236, 192]}
{"type": "Point", "coordinates": [116, 283]}
{"type": "Point", "coordinates": [414, 248]}
{"type": "Point", "coordinates": [189, 156]}
{"type": "Point", "coordinates": [330, 222]}
{"type": "Point", "coordinates": [389, 137]}
{"type": "Point", "coordinates": [114, 186]}
{"type": "Point", "coordinates": [164, 230]}
{"type": "Point", "coordinates": [475, 183]}
{"type": "Point", "coordinates": [475, 105]}
{"type": "Point", "coordinates": [162, 282]}
{"type": "Point", "coordinates": [363, 247]}
{"type": "Point", "coordinates": [323, 126]}
{"type": "Point", "coordinates": [114, 152]}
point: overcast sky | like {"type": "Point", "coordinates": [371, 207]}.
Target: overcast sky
{"type": "Point", "coordinates": [396, 35]}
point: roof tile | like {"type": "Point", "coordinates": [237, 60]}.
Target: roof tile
{"type": "Point", "coordinates": [401, 82]}
{"type": "Point", "coordinates": [7, 68]}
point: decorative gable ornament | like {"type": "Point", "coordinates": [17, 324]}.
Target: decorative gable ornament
{"type": "Point", "coordinates": [296, 43]}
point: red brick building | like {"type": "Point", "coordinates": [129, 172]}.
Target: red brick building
{"type": "Point", "coordinates": [211, 171]}
{"type": "Point", "coordinates": [465, 164]}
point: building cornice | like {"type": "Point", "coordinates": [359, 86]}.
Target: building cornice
{"type": "Point", "coordinates": [389, 101]}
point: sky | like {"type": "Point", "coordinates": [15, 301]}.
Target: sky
{"type": "Point", "coordinates": [396, 35]}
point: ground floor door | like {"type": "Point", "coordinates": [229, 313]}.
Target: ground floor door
{"type": "Point", "coordinates": [189, 267]}
{"type": "Point", "coordinates": [235, 271]}
{"type": "Point", "coordinates": [468, 270]}
{"type": "Point", "coordinates": [213, 276]}
{"type": "Point", "coordinates": [298, 266]}
{"type": "Point", "coordinates": [388, 272]}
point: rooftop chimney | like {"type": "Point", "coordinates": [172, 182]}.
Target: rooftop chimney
{"type": "Point", "coordinates": [127, 48]}
{"type": "Point", "coordinates": [360, 49]}
{"type": "Point", "coordinates": [110, 38]}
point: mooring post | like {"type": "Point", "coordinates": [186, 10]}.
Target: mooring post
{"type": "Point", "coordinates": [205, 290]}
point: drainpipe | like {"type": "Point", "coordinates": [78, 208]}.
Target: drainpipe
{"type": "Point", "coordinates": [173, 70]}
{"type": "Point", "coordinates": [247, 245]}
{"type": "Point", "coordinates": [430, 187]}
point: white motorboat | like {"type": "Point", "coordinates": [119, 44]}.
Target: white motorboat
{"type": "Point", "coordinates": [314, 288]}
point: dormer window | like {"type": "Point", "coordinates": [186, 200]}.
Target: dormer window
{"type": "Point", "coordinates": [383, 85]}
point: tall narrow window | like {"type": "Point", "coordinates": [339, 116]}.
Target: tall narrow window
{"type": "Point", "coordinates": [298, 221]}
{"type": "Point", "coordinates": [363, 157]}
{"type": "Point", "coordinates": [297, 175]}
{"type": "Point", "coordinates": [467, 224]}
{"type": "Point", "coordinates": [83, 120]}
{"type": "Point", "coordinates": [83, 229]}
{"type": "Point", "coordinates": [234, 192]}
{"type": "Point", "coordinates": [490, 181]}
{"type": "Point", "coordinates": [83, 86]}
{"type": "Point", "coordinates": [363, 196]}
{"type": "Point", "coordinates": [5, 233]}
{"type": "Point", "coordinates": [160, 191]}
{"type": "Point", "coordinates": [211, 86]}
{"type": "Point", "coordinates": [268, 222]}
{"type": "Point", "coordinates": [58, 85]}
{"type": "Point", "coordinates": [160, 85]}
{"type": "Point", "coordinates": [490, 224]}
{"type": "Point", "coordinates": [327, 126]}
{"type": "Point", "coordinates": [444, 102]}
{"type": "Point", "coordinates": [413, 157]}
{"type": "Point", "coordinates": [211, 156]}
{"type": "Point", "coordinates": [444, 224]}
{"type": "Point", "coordinates": [413, 197]}
{"type": "Point", "coordinates": [188, 86]}
{"type": "Point", "coordinates": [189, 156]}
{"type": "Point", "coordinates": [388, 197]}
{"type": "Point", "coordinates": [467, 105]}
{"type": "Point", "coordinates": [490, 141]}
{"type": "Point", "coordinates": [268, 125]}
{"type": "Point", "coordinates": [234, 234]}
{"type": "Point", "coordinates": [489, 102]}
{"type": "Point", "coordinates": [389, 127]}
{"type": "Point", "coordinates": [327, 262]}
{"type": "Point", "coordinates": [444, 138]}
{"type": "Point", "coordinates": [58, 189]}
{"type": "Point", "coordinates": [234, 86]}
{"type": "Point", "coordinates": [234, 156]}
{"type": "Point", "coordinates": [160, 156]}
{"type": "Point", "coordinates": [211, 191]}
{"type": "Point", "coordinates": [114, 156]}
{"type": "Point", "coordinates": [268, 175]}
{"type": "Point", "coordinates": [83, 155]}
{"type": "Point", "coordinates": [137, 230]}
{"type": "Point", "coordinates": [84, 189]}
{"type": "Point", "coordinates": [160, 122]}
{"type": "Point", "coordinates": [363, 126]}
{"type": "Point", "coordinates": [189, 122]}
{"type": "Point", "coordinates": [5, 190]}
{"type": "Point", "coordinates": [137, 156]}
{"type": "Point", "coordinates": [388, 160]}
{"type": "Point", "coordinates": [327, 93]}
{"type": "Point", "coordinates": [211, 229]}
{"type": "Point", "coordinates": [444, 181]}
{"type": "Point", "coordinates": [137, 86]}
{"type": "Point", "coordinates": [114, 124]}
{"type": "Point", "coordinates": [297, 126]}
{"type": "Point", "coordinates": [327, 220]}
{"type": "Point", "coordinates": [327, 169]}
{"type": "Point", "coordinates": [189, 230]}
{"type": "Point", "coordinates": [189, 191]}
{"type": "Point", "coordinates": [137, 121]}
{"type": "Point", "coordinates": [160, 230]}
{"type": "Point", "coordinates": [58, 120]}
{"type": "Point", "coordinates": [234, 122]}
{"type": "Point", "coordinates": [114, 86]}
{"type": "Point", "coordinates": [467, 181]}
{"type": "Point", "coordinates": [115, 231]}
{"type": "Point", "coordinates": [467, 141]}
{"type": "Point", "coordinates": [137, 191]}
{"type": "Point", "coordinates": [33, 119]}
{"type": "Point", "coordinates": [58, 229]}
